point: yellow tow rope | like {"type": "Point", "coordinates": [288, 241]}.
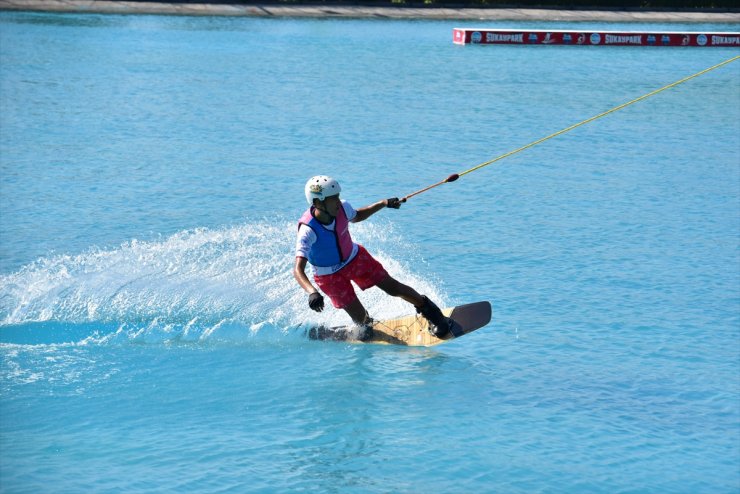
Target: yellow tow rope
{"type": "Point", "coordinates": [455, 176]}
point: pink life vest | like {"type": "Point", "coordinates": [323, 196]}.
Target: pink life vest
{"type": "Point", "coordinates": [331, 247]}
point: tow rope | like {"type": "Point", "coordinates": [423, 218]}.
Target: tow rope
{"type": "Point", "coordinates": [455, 176]}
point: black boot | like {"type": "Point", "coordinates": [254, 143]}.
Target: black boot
{"type": "Point", "coordinates": [439, 325]}
{"type": "Point", "coordinates": [366, 330]}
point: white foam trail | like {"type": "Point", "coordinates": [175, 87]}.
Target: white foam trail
{"type": "Point", "coordinates": [195, 283]}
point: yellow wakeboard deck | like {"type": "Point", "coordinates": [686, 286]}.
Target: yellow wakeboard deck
{"type": "Point", "coordinates": [411, 330]}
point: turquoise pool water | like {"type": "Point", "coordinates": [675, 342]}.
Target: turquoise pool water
{"type": "Point", "coordinates": [151, 176]}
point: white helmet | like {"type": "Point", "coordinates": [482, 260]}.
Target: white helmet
{"type": "Point", "coordinates": [320, 187]}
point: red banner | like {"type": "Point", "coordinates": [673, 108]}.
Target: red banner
{"type": "Point", "coordinates": [464, 36]}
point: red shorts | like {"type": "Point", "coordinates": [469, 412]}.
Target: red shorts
{"type": "Point", "coordinates": [364, 270]}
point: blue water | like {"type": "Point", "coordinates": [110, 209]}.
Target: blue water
{"type": "Point", "coordinates": [151, 174]}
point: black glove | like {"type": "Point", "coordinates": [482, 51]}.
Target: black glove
{"type": "Point", "coordinates": [394, 202]}
{"type": "Point", "coordinates": [316, 301]}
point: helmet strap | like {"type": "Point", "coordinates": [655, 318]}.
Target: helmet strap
{"type": "Point", "coordinates": [322, 210]}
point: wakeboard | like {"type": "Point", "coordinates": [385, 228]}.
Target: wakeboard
{"type": "Point", "coordinates": [411, 330]}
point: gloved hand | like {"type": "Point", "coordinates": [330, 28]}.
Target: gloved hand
{"type": "Point", "coordinates": [394, 202]}
{"type": "Point", "coordinates": [316, 301]}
